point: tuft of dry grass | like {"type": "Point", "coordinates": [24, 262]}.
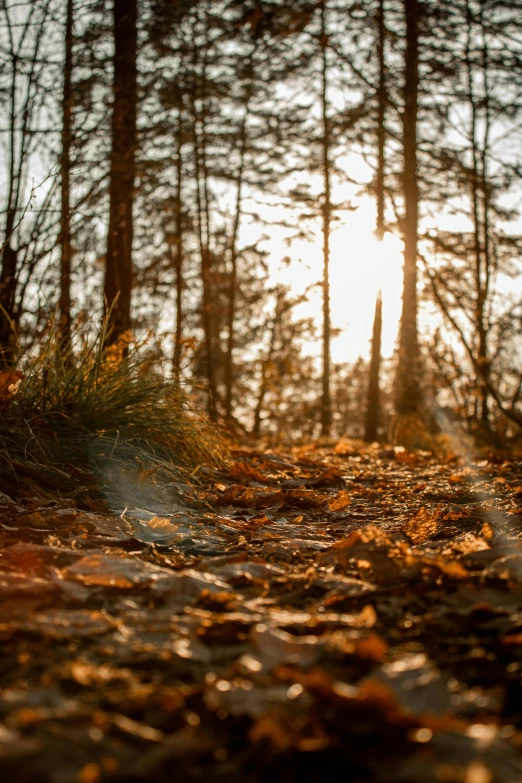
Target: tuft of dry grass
{"type": "Point", "coordinates": [91, 413]}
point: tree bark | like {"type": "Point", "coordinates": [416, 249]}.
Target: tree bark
{"type": "Point", "coordinates": [326, 405]}
{"type": "Point", "coordinates": [373, 399]}
{"type": "Point", "coordinates": [7, 304]}
{"type": "Point", "coordinates": [231, 314]}
{"type": "Point", "coordinates": [203, 227]}
{"type": "Point", "coordinates": [263, 386]}
{"type": "Point", "coordinates": [65, 166]}
{"type": "Point", "coordinates": [178, 261]}
{"type": "Point", "coordinates": [479, 192]}
{"type": "Point", "coordinates": [8, 274]}
{"type": "Point", "coordinates": [484, 157]}
{"type": "Point", "coordinates": [374, 395]}
{"type": "Point", "coordinates": [408, 382]}
{"type": "Point", "coordinates": [119, 269]}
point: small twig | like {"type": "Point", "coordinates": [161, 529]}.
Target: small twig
{"type": "Point", "coordinates": [25, 209]}
{"type": "Point", "coordinates": [115, 444]}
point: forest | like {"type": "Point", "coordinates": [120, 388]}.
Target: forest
{"type": "Point", "coordinates": [197, 170]}
{"type": "Point", "coordinates": [261, 390]}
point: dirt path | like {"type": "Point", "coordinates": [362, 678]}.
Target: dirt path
{"type": "Point", "coordinates": [311, 614]}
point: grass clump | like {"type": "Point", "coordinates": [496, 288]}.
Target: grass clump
{"type": "Point", "coordinates": [97, 414]}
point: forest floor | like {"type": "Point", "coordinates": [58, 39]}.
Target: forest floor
{"type": "Point", "coordinates": [314, 613]}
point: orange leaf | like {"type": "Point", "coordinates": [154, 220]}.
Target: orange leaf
{"type": "Point", "coordinates": [423, 525]}
{"type": "Point", "coordinates": [9, 384]}
{"type": "Point", "coordinates": [244, 470]}
{"type": "Point", "coordinates": [340, 501]}
{"type": "Point", "coordinates": [373, 648]}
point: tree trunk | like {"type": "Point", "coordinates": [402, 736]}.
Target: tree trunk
{"type": "Point", "coordinates": [7, 304]}
{"type": "Point", "coordinates": [372, 410]}
{"type": "Point", "coordinates": [65, 165]}
{"type": "Point", "coordinates": [178, 261]}
{"type": "Point", "coordinates": [203, 228]}
{"type": "Point", "coordinates": [479, 190]}
{"type": "Point", "coordinates": [263, 387]}
{"type": "Point", "coordinates": [118, 272]}
{"type": "Point", "coordinates": [408, 382]}
{"type": "Point", "coordinates": [231, 314]}
{"type": "Point", "coordinates": [9, 271]}
{"type": "Point", "coordinates": [326, 405]}
{"type": "Point", "coordinates": [482, 323]}
{"type": "Point", "coordinates": [373, 399]}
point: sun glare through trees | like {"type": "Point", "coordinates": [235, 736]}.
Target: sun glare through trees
{"type": "Point", "coordinates": [361, 266]}
{"type": "Point", "coordinates": [261, 391]}
{"type": "Point", "coordinates": [255, 188]}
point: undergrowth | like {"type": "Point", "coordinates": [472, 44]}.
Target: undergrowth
{"type": "Point", "coordinates": [96, 415]}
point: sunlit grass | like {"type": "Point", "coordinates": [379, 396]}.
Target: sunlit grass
{"type": "Point", "coordinates": [100, 410]}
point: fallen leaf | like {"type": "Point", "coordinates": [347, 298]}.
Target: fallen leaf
{"type": "Point", "coordinates": [115, 571]}
{"type": "Point", "coordinates": [341, 501]}
{"type": "Point", "coordinates": [423, 525]}
{"type": "Point", "coordinates": [244, 470]}
{"type": "Point", "coordinates": [10, 382]}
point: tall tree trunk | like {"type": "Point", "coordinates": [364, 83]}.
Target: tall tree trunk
{"type": "Point", "coordinates": [8, 276]}
{"type": "Point", "coordinates": [9, 270]}
{"type": "Point", "coordinates": [479, 191]}
{"type": "Point", "coordinates": [119, 270]}
{"type": "Point", "coordinates": [263, 387]}
{"type": "Point", "coordinates": [7, 303]}
{"type": "Point", "coordinates": [373, 399]}
{"type": "Point", "coordinates": [326, 405]}
{"type": "Point", "coordinates": [408, 382]}
{"type": "Point", "coordinates": [206, 298]}
{"type": "Point", "coordinates": [178, 261]}
{"type": "Point", "coordinates": [374, 392]}
{"type": "Point", "coordinates": [488, 261]}
{"type": "Point", "coordinates": [65, 166]}
{"type": "Point", "coordinates": [231, 314]}
{"type": "Point", "coordinates": [203, 229]}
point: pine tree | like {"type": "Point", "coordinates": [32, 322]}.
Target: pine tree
{"type": "Point", "coordinates": [408, 385]}
{"type": "Point", "coordinates": [65, 170]}
{"type": "Point", "coordinates": [119, 267]}
{"type": "Point", "coordinates": [326, 405]}
{"type": "Point", "coordinates": [373, 398]}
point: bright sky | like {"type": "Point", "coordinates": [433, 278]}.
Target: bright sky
{"type": "Point", "coordinates": [358, 268]}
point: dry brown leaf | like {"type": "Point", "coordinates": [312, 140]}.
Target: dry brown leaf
{"type": "Point", "coordinates": [456, 478]}
{"type": "Point", "coordinates": [10, 382]}
{"type": "Point", "coordinates": [372, 647]}
{"type": "Point", "coordinates": [244, 470]}
{"type": "Point", "coordinates": [408, 457]}
{"type": "Point", "coordinates": [115, 571]}
{"type": "Point", "coordinates": [344, 448]}
{"type": "Point", "coordinates": [340, 501]}
{"type": "Point", "coordinates": [451, 568]}
{"type": "Point", "coordinates": [487, 531]}
{"type": "Point", "coordinates": [454, 516]}
{"type": "Point", "coordinates": [331, 476]}
{"type": "Point", "coordinates": [423, 525]}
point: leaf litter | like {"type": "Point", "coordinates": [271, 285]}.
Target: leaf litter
{"type": "Point", "coordinates": [314, 612]}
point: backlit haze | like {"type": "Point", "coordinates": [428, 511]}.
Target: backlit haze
{"type": "Point", "coordinates": [359, 266]}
